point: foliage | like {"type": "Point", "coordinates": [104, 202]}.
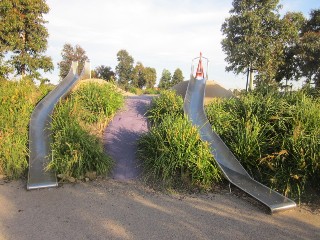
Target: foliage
{"type": "Point", "coordinates": [104, 72]}
{"type": "Point", "coordinates": [17, 101]}
{"type": "Point", "coordinates": [151, 91]}
{"type": "Point", "coordinates": [138, 76]}
{"type": "Point", "coordinates": [5, 68]}
{"type": "Point", "coordinates": [177, 77]}
{"type": "Point", "coordinates": [255, 38]}
{"type": "Point", "coordinates": [75, 149]}
{"type": "Point", "coordinates": [23, 36]}
{"type": "Point", "coordinates": [143, 76]}
{"type": "Point", "coordinates": [150, 76]}
{"type": "Point", "coordinates": [167, 103]}
{"type": "Point", "coordinates": [69, 54]}
{"type": "Point", "coordinates": [308, 49]}
{"type": "Point", "coordinates": [165, 79]}
{"type": "Point", "coordinates": [124, 68]}
{"type": "Point", "coordinates": [293, 23]}
{"type": "Point", "coordinates": [275, 137]}
{"type": "Point", "coordinates": [172, 150]}
{"type": "Point", "coordinates": [301, 54]}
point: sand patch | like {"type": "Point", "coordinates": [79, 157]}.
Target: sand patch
{"type": "Point", "coordinates": [100, 81]}
{"type": "Point", "coordinates": [213, 90]}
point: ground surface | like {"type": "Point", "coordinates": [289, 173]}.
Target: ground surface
{"type": "Point", "coordinates": [109, 209]}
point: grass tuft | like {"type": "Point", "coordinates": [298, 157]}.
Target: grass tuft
{"type": "Point", "coordinates": [172, 150]}
{"type": "Point", "coordinates": [77, 149]}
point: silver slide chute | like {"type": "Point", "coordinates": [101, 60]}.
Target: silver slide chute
{"type": "Point", "coordinates": [40, 134]}
{"type": "Point", "coordinates": [228, 163]}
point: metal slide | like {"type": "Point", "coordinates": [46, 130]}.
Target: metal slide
{"type": "Point", "coordinates": [40, 134]}
{"type": "Point", "coordinates": [230, 166]}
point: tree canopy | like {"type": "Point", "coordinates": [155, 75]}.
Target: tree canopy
{"type": "Point", "coordinates": [69, 54]}
{"type": "Point", "coordinates": [308, 49]}
{"type": "Point", "coordinates": [177, 77]}
{"type": "Point", "coordinates": [104, 72]}
{"type": "Point", "coordinates": [23, 37]}
{"type": "Point", "coordinates": [124, 68]}
{"type": "Point", "coordinates": [138, 76]}
{"type": "Point", "coordinates": [150, 75]}
{"type": "Point", "coordinates": [254, 38]}
{"type": "Point", "coordinates": [165, 79]}
{"type": "Point", "coordinates": [258, 39]}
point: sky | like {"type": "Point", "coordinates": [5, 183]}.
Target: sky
{"type": "Point", "coordinates": [163, 34]}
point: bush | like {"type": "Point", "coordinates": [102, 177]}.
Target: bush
{"type": "Point", "coordinates": [167, 103]}
{"type": "Point", "coordinates": [75, 150]}
{"type": "Point", "coordinates": [151, 91]}
{"type": "Point", "coordinates": [172, 150]}
{"type": "Point", "coordinates": [275, 137]}
{"type": "Point", "coordinates": [17, 101]}
{"type": "Point", "coordinates": [96, 104]}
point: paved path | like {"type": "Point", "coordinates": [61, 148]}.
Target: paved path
{"type": "Point", "coordinates": [122, 134]}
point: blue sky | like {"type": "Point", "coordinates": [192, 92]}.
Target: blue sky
{"type": "Point", "coordinates": [159, 33]}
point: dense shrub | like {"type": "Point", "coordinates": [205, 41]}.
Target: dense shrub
{"type": "Point", "coordinates": [17, 101]}
{"type": "Point", "coordinates": [172, 150]}
{"type": "Point", "coordinates": [151, 91]}
{"type": "Point", "coordinates": [75, 150]}
{"type": "Point", "coordinates": [167, 103]}
{"type": "Point", "coordinates": [275, 137]}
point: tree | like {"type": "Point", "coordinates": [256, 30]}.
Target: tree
{"type": "Point", "coordinates": [150, 76]}
{"type": "Point", "coordinates": [308, 49]}
{"type": "Point", "coordinates": [177, 77]}
{"type": "Point", "coordinates": [165, 79]}
{"type": "Point", "coordinates": [105, 72]}
{"type": "Point", "coordinates": [69, 54]}
{"type": "Point", "coordinates": [289, 68]}
{"type": "Point", "coordinates": [24, 37]}
{"type": "Point", "coordinates": [313, 24]}
{"type": "Point", "coordinates": [138, 76]}
{"type": "Point", "coordinates": [124, 68]}
{"type": "Point", "coordinates": [252, 38]}
{"type": "Point", "coordinates": [5, 68]}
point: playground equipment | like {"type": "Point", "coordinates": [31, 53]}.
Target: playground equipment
{"type": "Point", "coordinates": [40, 134]}
{"type": "Point", "coordinates": [228, 163]}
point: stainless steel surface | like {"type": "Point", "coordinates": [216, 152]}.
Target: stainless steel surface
{"type": "Point", "coordinates": [230, 166]}
{"type": "Point", "coordinates": [40, 135]}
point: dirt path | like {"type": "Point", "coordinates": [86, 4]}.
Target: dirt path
{"type": "Point", "coordinates": [122, 134]}
{"type": "Point", "coordinates": [109, 209]}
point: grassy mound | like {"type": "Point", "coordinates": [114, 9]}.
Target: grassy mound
{"type": "Point", "coordinates": [275, 137]}
{"type": "Point", "coordinates": [172, 150]}
{"type": "Point", "coordinates": [77, 124]}
{"type": "Point", "coordinates": [17, 101]}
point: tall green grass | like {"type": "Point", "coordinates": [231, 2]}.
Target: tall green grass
{"type": "Point", "coordinates": [172, 150]}
{"type": "Point", "coordinates": [77, 125]}
{"type": "Point", "coordinates": [17, 101]}
{"type": "Point", "coordinates": [167, 103]}
{"type": "Point", "coordinates": [275, 137]}
{"type": "Point", "coordinates": [77, 149]}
